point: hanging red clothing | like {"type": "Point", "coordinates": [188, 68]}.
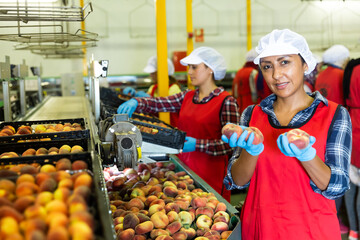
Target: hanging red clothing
{"type": "Point", "coordinates": [353, 103]}
{"type": "Point", "coordinates": [241, 86]}
{"type": "Point", "coordinates": [330, 84]}
{"type": "Point", "coordinates": [280, 203]}
{"type": "Point", "coordinates": [202, 121]}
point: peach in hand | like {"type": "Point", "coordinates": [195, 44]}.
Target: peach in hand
{"type": "Point", "coordinates": [259, 137]}
{"type": "Point", "coordinates": [298, 137]}
{"type": "Point", "coordinates": [229, 129]}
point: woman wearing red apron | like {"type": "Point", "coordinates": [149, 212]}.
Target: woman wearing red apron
{"type": "Point", "coordinates": [291, 191]}
{"type": "Point", "coordinates": [202, 114]}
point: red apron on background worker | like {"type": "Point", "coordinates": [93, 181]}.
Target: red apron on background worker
{"type": "Point", "coordinates": [291, 191]}
{"type": "Point", "coordinates": [151, 68]}
{"type": "Point", "coordinates": [244, 86]}
{"type": "Point", "coordinates": [202, 114]}
{"type": "Point", "coordinates": [330, 81]}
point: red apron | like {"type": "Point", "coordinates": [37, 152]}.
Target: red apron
{"type": "Point", "coordinates": [330, 84]}
{"type": "Point", "coordinates": [280, 203]}
{"type": "Point", "coordinates": [353, 102]}
{"type": "Point", "coordinates": [202, 121]}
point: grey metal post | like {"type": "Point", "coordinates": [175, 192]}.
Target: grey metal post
{"type": "Point", "coordinates": [22, 96]}
{"type": "Point", "coordinates": [5, 76]}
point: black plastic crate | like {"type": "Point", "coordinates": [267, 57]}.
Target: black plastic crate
{"type": "Point", "coordinates": [79, 134]}
{"type": "Point", "coordinates": [19, 148]}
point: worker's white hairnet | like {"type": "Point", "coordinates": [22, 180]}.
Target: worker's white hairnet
{"type": "Point", "coordinates": [210, 57]}
{"type": "Point", "coordinates": [251, 55]}
{"type": "Point", "coordinates": [152, 66]}
{"type": "Point", "coordinates": [336, 55]}
{"type": "Point", "coordinates": [283, 42]}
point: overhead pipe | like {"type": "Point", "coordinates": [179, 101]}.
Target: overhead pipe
{"type": "Point", "coordinates": [190, 35]}
{"type": "Point", "coordinates": [248, 24]}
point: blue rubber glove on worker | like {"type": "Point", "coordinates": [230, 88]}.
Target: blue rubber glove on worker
{"type": "Point", "coordinates": [141, 94]}
{"type": "Point", "coordinates": [189, 144]}
{"type": "Point", "coordinates": [129, 91]}
{"type": "Point", "coordinates": [245, 144]}
{"type": "Point", "coordinates": [128, 107]}
{"type": "Point", "coordinates": [291, 150]}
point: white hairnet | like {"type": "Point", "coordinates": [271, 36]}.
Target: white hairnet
{"type": "Point", "coordinates": [251, 55]}
{"type": "Point", "coordinates": [336, 55]}
{"type": "Point", "coordinates": [152, 66]}
{"type": "Point", "coordinates": [282, 42]}
{"type": "Point", "coordinates": [210, 57]}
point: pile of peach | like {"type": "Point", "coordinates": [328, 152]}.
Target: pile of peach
{"type": "Point", "coordinates": [154, 202]}
{"type": "Point", "coordinates": [49, 128]}
{"type": "Point", "coordinates": [160, 124]}
{"type": "Point", "coordinates": [64, 149]}
{"type": "Point", "coordinates": [46, 202]}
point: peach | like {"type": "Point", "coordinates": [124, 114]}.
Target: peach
{"type": "Point", "coordinates": [222, 213]}
{"type": "Point", "coordinates": [64, 149]}
{"type": "Point", "coordinates": [203, 221]}
{"type": "Point", "coordinates": [9, 155]}
{"type": "Point", "coordinates": [48, 168]}
{"type": "Point", "coordinates": [55, 219]}
{"type": "Point", "coordinates": [149, 199]}
{"type": "Point", "coordinates": [40, 129]}
{"type": "Point", "coordinates": [164, 237]}
{"type": "Point", "coordinates": [229, 129]}
{"type": "Point", "coordinates": [170, 191]}
{"type": "Point", "coordinates": [173, 227]}
{"type": "Point", "coordinates": [80, 231]}
{"type": "Point", "coordinates": [83, 191]}
{"type": "Point", "coordinates": [220, 207]}
{"type": "Point", "coordinates": [7, 132]}
{"type": "Point", "coordinates": [66, 183]}
{"type": "Point", "coordinates": [83, 216]}
{"type": "Point", "coordinates": [24, 130]}
{"type": "Point", "coordinates": [259, 137]}
{"type": "Point", "coordinates": [136, 192]}
{"type": "Point", "coordinates": [4, 201]}
{"type": "Point", "coordinates": [41, 151]}
{"type": "Point", "coordinates": [7, 185]}
{"type": "Point", "coordinates": [84, 179]}
{"type": "Point", "coordinates": [298, 137]}
{"type": "Point", "coordinates": [77, 149]}
{"type": "Point", "coordinates": [158, 201]}
{"type": "Point", "coordinates": [7, 211]}
{"type": "Point", "coordinates": [29, 152]}
{"type": "Point", "coordinates": [127, 234]}
{"type": "Point", "coordinates": [159, 219]}
{"type": "Point", "coordinates": [79, 165]}
{"type": "Point", "coordinates": [144, 227]}
{"type": "Point", "coordinates": [67, 129]}
{"type": "Point", "coordinates": [192, 212]}
{"type": "Point", "coordinates": [77, 203]}
{"type": "Point", "coordinates": [184, 205]}
{"type": "Point", "coordinates": [212, 235]}
{"type": "Point", "coordinates": [191, 233]}
{"type": "Point", "coordinates": [33, 224]}
{"type": "Point", "coordinates": [185, 218]}
{"type": "Point", "coordinates": [220, 227]}
{"type": "Point", "coordinates": [221, 219]}
{"type": "Point", "coordinates": [200, 233]}
{"type": "Point", "coordinates": [25, 178]}
{"type": "Point", "coordinates": [130, 221]}
{"type": "Point", "coordinates": [145, 175]}
{"type": "Point", "coordinates": [179, 235]}
{"type": "Point", "coordinates": [135, 202]}
{"type": "Point", "coordinates": [225, 234]}
{"type": "Point", "coordinates": [56, 206]}
{"type": "Point", "coordinates": [53, 149]}
{"type": "Point", "coordinates": [172, 216]}
{"type": "Point", "coordinates": [58, 233]}
{"type": "Point", "coordinates": [142, 217]}
{"type": "Point", "coordinates": [7, 173]}
{"type": "Point", "coordinates": [60, 175]}
{"type": "Point", "coordinates": [26, 188]}
{"type": "Point", "coordinates": [158, 232]}
{"type": "Point", "coordinates": [171, 206]}
{"type": "Point", "coordinates": [155, 189]}
{"type": "Point", "coordinates": [35, 211]}
{"type": "Point", "coordinates": [156, 208]}
{"type": "Point", "coordinates": [62, 194]}
{"type": "Point", "coordinates": [44, 198]}
{"type": "Point", "coordinates": [40, 177]}
{"type": "Point", "coordinates": [152, 181]}
{"type": "Point", "coordinates": [63, 164]}
{"type": "Point", "coordinates": [59, 127]}
{"type": "Point", "coordinates": [11, 128]}
{"type": "Point", "coordinates": [198, 202]}
{"type": "Point", "coordinates": [29, 169]}
{"type": "Point", "coordinates": [8, 225]}
{"type": "Point", "coordinates": [48, 185]}
{"type": "Point", "coordinates": [204, 210]}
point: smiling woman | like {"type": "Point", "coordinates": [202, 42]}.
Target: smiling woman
{"type": "Point", "coordinates": [290, 193]}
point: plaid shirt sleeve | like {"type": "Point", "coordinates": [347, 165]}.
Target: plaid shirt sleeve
{"type": "Point", "coordinates": [338, 156]}
{"type": "Point", "coordinates": [161, 104]}
{"type": "Point", "coordinates": [230, 114]}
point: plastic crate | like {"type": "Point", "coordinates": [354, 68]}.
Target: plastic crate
{"type": "Point", "coordinates": [85, 133]}
{"type": "Point", "coordinates": [165, 136]}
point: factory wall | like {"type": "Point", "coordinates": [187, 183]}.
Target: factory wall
{"type": "Point", "coordinates": [127, 31]}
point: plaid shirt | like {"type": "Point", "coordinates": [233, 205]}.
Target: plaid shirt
{"type": "Point", "coordinates": [338, 146]}
{"type": "Point", "coordinates": [173, 103]}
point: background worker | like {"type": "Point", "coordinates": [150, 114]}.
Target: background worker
{"type": "Point", "coordinates": [174, 87]}
{"type": "Point", "coordinates": [291, 191]}
{"type": "Point", "coordinates": [352, 100]}
{"type": "Point", "coordinates": [330, 81]}
{"type": "Point", "coordinates": [244, 86]}
{"type": "Point", "coordinates": [202, 114]}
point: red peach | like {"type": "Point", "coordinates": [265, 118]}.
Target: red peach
{"type": "Point", "coordinates": [259, 137]}
{"type": "Point", "coordinates": [298, 137]}
{"type": "Point", "coordinates": [229, 129]}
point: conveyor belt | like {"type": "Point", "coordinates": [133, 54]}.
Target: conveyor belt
{"type": "Point", "coordinates": [62, 108]}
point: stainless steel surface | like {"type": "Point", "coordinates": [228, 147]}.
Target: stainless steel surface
{"type": "Point", "coordinates": [7, 103]}
{"type": "Point", "coordinates": [150, 149]}
{"type": "Point", "coordinates": [40, 94]}
{"type": "Point", "coordinates": [22, 96]}
{"type": "Point", "coordinates": [61, 108]}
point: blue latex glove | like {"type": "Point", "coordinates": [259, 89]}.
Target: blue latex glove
{"type": "Point", "coordinates": [189, 144]}
{"type": "Point", "coordinates": [128, 107]}
{"type": "Point", "coordinates": [245, 144]}
{"type": "Point", "coordinates": [141, 94]}
{"type": "Point", "coordinates": [129, 91]}
{"type": "Point", "coordinates": [291, 150]}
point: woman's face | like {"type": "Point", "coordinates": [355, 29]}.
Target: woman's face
{"type": "Point", "coordinates": [284, 74]}
{"type": "Point", "coordinates": [199, 73]}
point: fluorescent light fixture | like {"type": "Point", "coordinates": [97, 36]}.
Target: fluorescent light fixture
{"type": "Point", "coordinates": [29, 1]}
